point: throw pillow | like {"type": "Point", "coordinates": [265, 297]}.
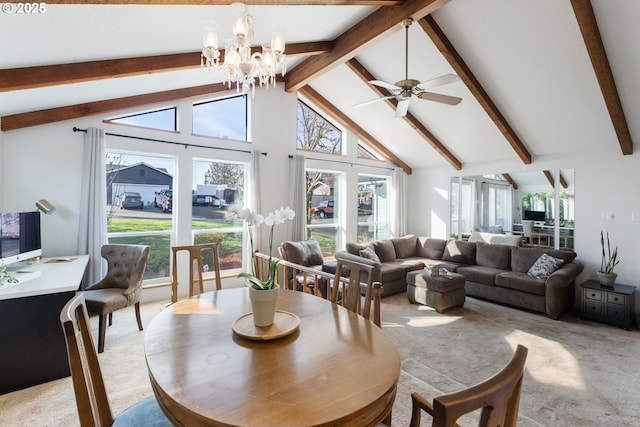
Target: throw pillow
{"type": "Point", "coordinates": [544, 266]}
{"type": "Point", "coordinates": [369, 253]}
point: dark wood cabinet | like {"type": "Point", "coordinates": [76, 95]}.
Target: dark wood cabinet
{"type": "Point", "coordinates": [614, 306]}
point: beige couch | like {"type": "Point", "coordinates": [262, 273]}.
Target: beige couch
{"type": "Point", "coordinates": [496, 272]}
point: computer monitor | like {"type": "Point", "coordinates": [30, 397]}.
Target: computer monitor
{"type": "Point", "coordinates": [539, 216]}
{"type": "Point", "coordinates": [19, 236]}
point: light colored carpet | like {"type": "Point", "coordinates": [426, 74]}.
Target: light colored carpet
{"type": "Point", "coordinates": [578, 373]}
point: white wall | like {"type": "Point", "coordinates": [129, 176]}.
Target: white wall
{"type": "Point", "coordinates": [605, 181]}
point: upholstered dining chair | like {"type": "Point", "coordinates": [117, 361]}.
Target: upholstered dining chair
{"type": "Point", "coordinates": [498, 399]}
{"type": "Point", "coordinates": [348, 291]}
{"type": "Point", "coordinates": [88, 384]}
{"type": "Point", "coordinates": [121, 286]}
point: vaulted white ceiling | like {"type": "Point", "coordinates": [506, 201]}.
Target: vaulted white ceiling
{"type": "Point", "coordinates": [529, 56]}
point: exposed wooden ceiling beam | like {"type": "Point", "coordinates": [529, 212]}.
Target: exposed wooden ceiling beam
{"type": "Point", "coordinates": [421, 129]}
{"type": "Point", "coordinates": [549, 177]}
{"type": "Point", "coordinates": [48, 75]}
{"type": "Point", "coordinates": [593, 42]}
{"type": "Point", "coordinates": [248, 2]}
{"type": "Point", "coordinates": [382, 23]}
{"type": "Point", "coordinates": [510, 180]}
{"type": "Point", "coordinates": [563, 181]}
{"type": "Point", "coordinates": [33, 118]}
{"type": "Point", "coordinates": [323, 103]}
{"type": "Point", "coordinates": [449, 52]}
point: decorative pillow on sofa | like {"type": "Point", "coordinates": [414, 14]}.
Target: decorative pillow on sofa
{"type": "Point", "coordinates": [544, 266]}
{"type": "Point", "coordinates": [385, 250]}
{"type": "Point", "coordinates": [369, 253]}
{"type": "Point", "coordinates": [405, 246]}
{"type": "Point", "coordinates": [355, 248]}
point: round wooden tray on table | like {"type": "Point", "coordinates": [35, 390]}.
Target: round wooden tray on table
{"type": "Point", "coordinates": [284, 323]}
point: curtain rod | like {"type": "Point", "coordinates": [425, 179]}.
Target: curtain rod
{"type": "Point", "coordinates": [343, 162]}
{"type": "Point", "coordinates": [76, 129]}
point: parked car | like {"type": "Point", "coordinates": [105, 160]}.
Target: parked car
{"type": "Point", "coordinates": [323, 210]}
{"type": "Point", "coordinates": [130, 200]}
{"type": "Point", "coordinates": [163, 200]}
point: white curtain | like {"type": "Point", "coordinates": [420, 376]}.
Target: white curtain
{"type": "Point", "coordinates": [298, 198]}
{"type": "Point", "coordinates": [92, 233]}
{"type": "Point", "coordinates": [399, 220]}
{"type": "Point", "coordinates": [253, 200]}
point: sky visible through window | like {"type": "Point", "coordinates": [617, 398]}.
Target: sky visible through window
{"type": "Point", "coordinates": [224, 118]}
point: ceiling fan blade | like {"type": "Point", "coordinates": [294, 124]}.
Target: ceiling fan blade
{"type": "Point", "coordinates": [402, 107]}
{"type": "Point", "coordinates": [438, 97]}
{"type": "Point", "coordinates": [372, 101]}
{"type": "Point", "coordinates": [384, 84]}
{"type": "Point", "coordinates": [438, 81]}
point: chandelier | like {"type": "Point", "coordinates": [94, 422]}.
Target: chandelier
{"type": "Point", "coordinates": [241, 64]}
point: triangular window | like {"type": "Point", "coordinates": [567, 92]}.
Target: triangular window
{"type": "Point", "coordinates": [164, 119]}
{"type": "Point", "coordinates": [364, 152]}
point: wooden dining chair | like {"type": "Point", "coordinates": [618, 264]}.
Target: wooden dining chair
{"type": "Point", "coordinates": [121, 287]}
{"type": "Point", "coordinates": [497, 398]}
{"type": "Point", "coordinates": [355, 289]}
{"type": "Point", "coordinates": [88, 384]}
{"type": "Point", "coordinates": [195, 263]}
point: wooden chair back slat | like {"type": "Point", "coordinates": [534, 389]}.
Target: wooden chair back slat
{"type": "Point", "coordinates": [498, 399]}
{"type": "Point", "coordinates": [88, 384]}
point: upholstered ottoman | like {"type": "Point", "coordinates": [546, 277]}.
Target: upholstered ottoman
{"type": "Point", "coordinates": [439, 292]}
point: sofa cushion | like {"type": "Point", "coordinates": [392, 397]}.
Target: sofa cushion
{"type": "Point", "coordinates": [405, 247]}
{"type": "Point", "coordinates": [460, 252]}
{"type": "Point", "coordinates": [479, 274]}
{"type": "Point", "coordinates": [355, 248]}
{"type": "Point", "coordinates": [494, 256]}
{"type": "Point", "coordinates": [523, 258]}
{"type": "Point", "coordinates": [495, 239]}
{"type": "Point", "coordinates": [520, 282]}
{"type": "Point", "coordinates": [369, 253]}
{"type": "Point", "coordinates": [390, 271]}
{"type": "Point", "coordinates": [544, 266]}
{"type": "Point", "coordinates": [385, 250]}
{"type": "Point", "coordinates": [428, 247]}
{"type": "Point", "coordinates": [304, 252]}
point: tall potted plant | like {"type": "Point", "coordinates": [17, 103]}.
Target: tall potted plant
{"type": "Point", "coordinates": [263, 294]}
{"type": "Point", "coordinates": [606, 276]}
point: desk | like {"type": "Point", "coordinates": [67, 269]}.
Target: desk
{"type": "Point", "coordinates": [337, 369]}
{"type": "Point", "coordinates": [33, 347]}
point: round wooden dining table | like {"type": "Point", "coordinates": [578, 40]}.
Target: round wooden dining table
{"type": "Point", "coordinates": [335, 369]}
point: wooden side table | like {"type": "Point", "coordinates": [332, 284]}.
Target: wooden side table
{"type": "Point", "coordinates": [614, 306]}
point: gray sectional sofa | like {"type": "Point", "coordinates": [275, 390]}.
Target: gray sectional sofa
{"type": "Point", "coordinates": [494, 272]}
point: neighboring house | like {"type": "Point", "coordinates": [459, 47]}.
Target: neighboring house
{"type": "Point", "coordinates": [140, 178]}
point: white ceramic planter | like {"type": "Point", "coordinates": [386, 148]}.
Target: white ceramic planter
{"type": "Point", "coordinates": [263, 305]}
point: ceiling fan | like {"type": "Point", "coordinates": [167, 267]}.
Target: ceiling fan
{"type": "Point", "coordinates": [406, 89]}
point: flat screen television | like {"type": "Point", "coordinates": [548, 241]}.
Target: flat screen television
{"type": "Point", "coordinates": [19, 236]}
{"type": "Point", "coordinates": [534, 216]}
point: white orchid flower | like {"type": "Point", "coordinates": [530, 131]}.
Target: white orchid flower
{"type": "Point", "coordinates": [270, 220]}
{"type": "Point", "coordinates": [288, 213]}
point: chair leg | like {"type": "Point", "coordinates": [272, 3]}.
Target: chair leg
{"type": "Point", "coordinates": [137, 306]}
{"type": "Point", "coordinates": [111, 318]}
{"type": "Point", "coordinates": [102, 330]}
